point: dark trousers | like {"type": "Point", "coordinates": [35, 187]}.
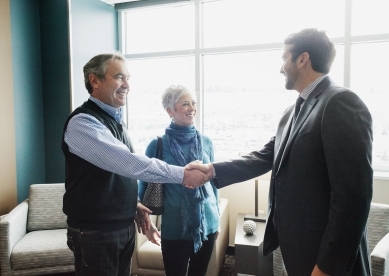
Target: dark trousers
{"type": "Point", "coordinates": [177, 253]}
{"type": "Point", "coordinates": [102, 253]}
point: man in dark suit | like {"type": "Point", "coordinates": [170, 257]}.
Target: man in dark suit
{"type": "Point", "coordinates": [321, 183]}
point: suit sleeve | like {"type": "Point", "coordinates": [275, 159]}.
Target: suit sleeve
{"type": "Point", "coordinates": [246, 167]}
{"type": "Point", "coordinates": [347, 144]}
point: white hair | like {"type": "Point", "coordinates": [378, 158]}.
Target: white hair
{"type": "Point", "coordinates": [173, 94]}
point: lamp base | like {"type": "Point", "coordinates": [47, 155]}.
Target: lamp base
{"type": "Point", "coordinates": [259, 218]}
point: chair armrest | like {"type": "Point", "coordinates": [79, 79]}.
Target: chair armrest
{"type": "Point", "coordinates": [224, 214]}
{"type": "Point", "coordinates": [12, 228]}
{"type": "Point", "coordinates": [140, 239]}
{"type": "Point", "coordinates": [221, 243]}
{"type": "Point", "coordinates": [380, 257]}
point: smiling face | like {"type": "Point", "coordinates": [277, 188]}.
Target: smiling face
{"type": "Point", "coordinates": [184, 111]}
{"type": "Point", "coordinates": [113, 89]}
{"type": "Point", "coordinates": [289, 68]}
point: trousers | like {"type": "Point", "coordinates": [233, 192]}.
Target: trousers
{"type": "Point", "coordinates": [103, 253]}
{"type": "Point", "coordinates": [177, 253]}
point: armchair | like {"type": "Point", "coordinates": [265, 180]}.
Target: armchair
{"type": "Point", "coordinates": [33, 234]}
{"type": "Point", "coordinates": [378, 237]}
{"type": "Point", "coordinates": [147, 257]}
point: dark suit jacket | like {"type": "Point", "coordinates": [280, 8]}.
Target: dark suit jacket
{"type": "Point", "coordinates": [321, 183]}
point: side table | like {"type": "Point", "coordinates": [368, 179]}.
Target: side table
{"type": "Point", "coordinates": [249, 259]}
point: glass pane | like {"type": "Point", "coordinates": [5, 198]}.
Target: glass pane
{"type": "Point", "coordinates": [149, 79]}
{"type": "Point", "coordinates": [240, 22]}
{"type": "Point", "coordinates": [370, 17]}
{"type": "Point", "coordinates": [243, 104]}
{"type": "Point", "coordinates": [369, 76]}
{"type": "Point", "coordinates": [337, 69]}
{"type": "Point", "coordinates": [160, 29]}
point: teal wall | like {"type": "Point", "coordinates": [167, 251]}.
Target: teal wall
{"type": "Point", "coordinates": [94, 31]}
{"type": "Point", "coordinates": [47, 45]}
{"type": "Point", "coordinates": [28, 98]}
{"type": "Point", "coordinates": [54, 25]}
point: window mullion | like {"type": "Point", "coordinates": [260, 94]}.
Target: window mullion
{"type": "Point", "coordinates": [198, 79]}
{"type": "Point", "coordinates": [347, 43]}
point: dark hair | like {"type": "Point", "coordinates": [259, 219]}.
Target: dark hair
{"type": "Point", "coordinates": [98, 65]}
{"type": "Point", "coordinates": [317, 44]}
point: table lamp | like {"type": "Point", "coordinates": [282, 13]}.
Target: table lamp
{"type": "Point", "coordinates": [255, 216]}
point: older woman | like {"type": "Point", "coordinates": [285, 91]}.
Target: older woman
{"type": "Point", "coordinates": [190, 220]}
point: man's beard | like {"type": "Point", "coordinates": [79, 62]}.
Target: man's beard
{"type": "Point", "coordinates": [289, 84]}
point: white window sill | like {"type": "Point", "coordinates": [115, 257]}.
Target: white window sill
{"type": "Point", "coordinates": [380, 175]}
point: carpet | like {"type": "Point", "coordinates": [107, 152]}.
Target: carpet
{"type": "Point", "coordinates": [229, 267]}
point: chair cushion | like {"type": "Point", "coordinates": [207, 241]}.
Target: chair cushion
{"type": "Point", "coordinates": [45, 207]}
{"type": "Point", "coordinates": [377, 223]}
{"type": "Point", "coordinates": [46, 248]}
{"type": "Point", "coordinates": [150, 256]}
{"type": "Point", "coordinates": [159, 223]}
{"type": "Point", "coordinates": [380, 257]}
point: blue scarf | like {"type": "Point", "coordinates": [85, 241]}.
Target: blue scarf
{"type": "Point", "coordinates": [192, 200]}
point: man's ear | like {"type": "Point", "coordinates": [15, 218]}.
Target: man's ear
{"type": "Point", "coordinates": [94, 81]}
{"type": "Point", "coordinates": [303, 59]}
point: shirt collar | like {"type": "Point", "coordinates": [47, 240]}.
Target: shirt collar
{"type": "Point", "coordinates": [116, 113]}
{"type": "Point", "coordinates": [308, 90]}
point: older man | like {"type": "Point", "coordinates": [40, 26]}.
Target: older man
{"type": "Point", "coordinates": [102, 171]}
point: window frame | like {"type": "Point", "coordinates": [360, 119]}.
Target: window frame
{"type": "Point", "coordinates": [199, 51]}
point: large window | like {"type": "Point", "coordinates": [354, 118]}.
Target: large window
{"type": "Point", "coordinates": [229, 51]}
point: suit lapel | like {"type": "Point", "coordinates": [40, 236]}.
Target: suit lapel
{"type": "Point", "coordinates": [284, 139]}
{"type": "Point", "coordinates": [303, 115]}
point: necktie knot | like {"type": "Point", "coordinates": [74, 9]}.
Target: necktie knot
{"type": "Point", "coordinates": [297, 107]}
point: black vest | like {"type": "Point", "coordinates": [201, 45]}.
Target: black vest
{"type": "Point", "coordinates": [96, 199]}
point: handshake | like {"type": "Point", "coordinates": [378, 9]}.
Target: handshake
{"type": "Point", "coordinates": [197, 174]}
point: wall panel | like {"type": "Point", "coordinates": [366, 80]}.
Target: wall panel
{"type": "Point", "coordinates": [7, 125]}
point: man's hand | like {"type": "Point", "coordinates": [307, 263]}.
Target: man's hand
{"type": "Point", "coordinates": [194, 177]}
{"type": "Point", "coordinates": [205, 168]}
{"type": "Point", "coordinates": [153, 235]}
{"type": "Point", "coordinates": [142, 218]}
{"type": "Point", "coordinates": [317, 272]}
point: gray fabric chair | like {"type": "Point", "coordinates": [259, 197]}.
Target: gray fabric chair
{"type": "Point", "coordinates": [33, 235]}
{"type": "Point", "coordinates": [378, 236]}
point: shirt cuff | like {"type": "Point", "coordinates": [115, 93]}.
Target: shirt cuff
{"type": "Point", "coordinates": [177, 174]}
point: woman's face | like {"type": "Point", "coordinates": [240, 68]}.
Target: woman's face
{"type": "Point", "coordinates": [184, 111]}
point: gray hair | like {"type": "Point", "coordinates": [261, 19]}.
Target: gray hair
{"type": "Point", "coordinates": [173, 94]}
{"type": "Point", "coordinates": [98, 65]}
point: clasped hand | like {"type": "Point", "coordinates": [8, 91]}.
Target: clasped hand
{"type": "Point", "coordinates": [197, 174]}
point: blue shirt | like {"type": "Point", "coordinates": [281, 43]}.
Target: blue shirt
{"type": "Point", "coordinates": [89, 139]}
